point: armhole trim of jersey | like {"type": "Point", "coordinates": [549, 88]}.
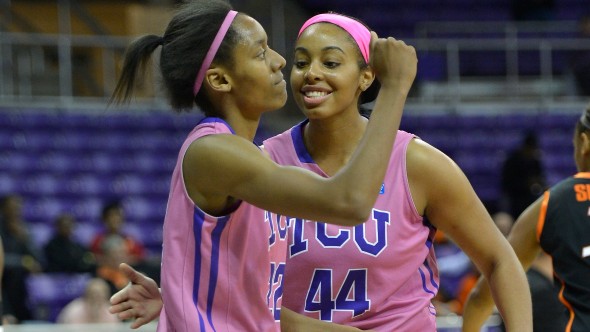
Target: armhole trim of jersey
{"type": "Point", "coordinates": [542, 215]}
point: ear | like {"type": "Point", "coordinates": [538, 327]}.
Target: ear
{"type": "Point", "coordinates": [366, 79]}
{"type": "Point", "coordinates": [217, 80]}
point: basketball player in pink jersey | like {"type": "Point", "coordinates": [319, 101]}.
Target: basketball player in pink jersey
{"type": "Point", "coordinates": [223, 256]}
{"type": "Point", "coordinates": [380, 275]}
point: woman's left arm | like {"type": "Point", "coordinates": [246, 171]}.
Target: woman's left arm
{"type": "Point", "coordinates": [442, 192]}
{"type": "Point", "coordinates": [294, 322]}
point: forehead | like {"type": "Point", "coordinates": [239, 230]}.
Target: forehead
{"type": "Point", "coordinates": [249, 30]}
{"type": "Point", "coordinates": [326, 35]}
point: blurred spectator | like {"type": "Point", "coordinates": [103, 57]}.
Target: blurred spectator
{"type": "Point", "coordinates": [1, 272]}
{"type": "Point", "coordinates": [533, 10]}
{"type": "Point", "coordinates": [114, 252]}
{"type": "Point", "coordinates": [580, 60]}
{"type": "Point", "coordinates": [20, 258]}
{"type": "Point", "coordinates": [458, 275]}
{"type": "Point", "coordinates": [113, 218]}
{"type": "Point", "coordinates": [523, 176]}
{"type": "Point", "coordinates": [92, 307]}
{"type": "Point", "coordinates": [5, 319]}
{"type": "Point", "coordinates": [63, 253]}
{"type": "Point", "coordinates": [453, 267]}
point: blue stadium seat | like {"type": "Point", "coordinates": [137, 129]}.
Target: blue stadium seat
{"type": "Point", "coordinates": [50, 292]}
{"type": "Point", "coordinates": [85, 231]}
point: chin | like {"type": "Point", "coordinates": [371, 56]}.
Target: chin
{"type": "Point", "coordinates": [313, 114]}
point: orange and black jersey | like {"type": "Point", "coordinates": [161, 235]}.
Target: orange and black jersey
{"type": "Point", "coordinates": [563, 232]}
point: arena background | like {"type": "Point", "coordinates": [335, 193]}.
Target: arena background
{"type": "Point", "coordinates": [485, 79]}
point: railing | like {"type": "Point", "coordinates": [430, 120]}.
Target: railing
{"type": "Point", "coordinates": [551, 82]}
{"type": "Point", "coordinates": [25, 68]}
{"type": "Point", "coordinates": [29, 50]}
{"type": "Point", "coordinates": [497, 29]}
{"type": "Point", "coordinates": [24, 65]}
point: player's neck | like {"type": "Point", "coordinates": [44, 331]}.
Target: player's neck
{"type": "Point", "coordinates": [331, 142]}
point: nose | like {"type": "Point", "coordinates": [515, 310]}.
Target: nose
{"type": "Point", "coordinates": [278, 61]}
{"type": "Point", "coordinates": [312, 73]}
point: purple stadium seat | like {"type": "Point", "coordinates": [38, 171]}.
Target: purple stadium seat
{"type": "Point", "coordinates": [87, 207]}
{"type": "Point", "coordinates": [43, 209]}
{"type": "Point", "coordinates": [139, 209]}
{"type": "Point", "coordinates": [73, 140]}
{"type": "Point", "coordinates": [49, 293]}
{"type": "Point", "coordinates": [142, 185]}
{"type": "Point", "coordinates": [40, 233]}
{"type": "Point", "coordinates": [85, 231]}
{"type": "Point", "coordinates": [88, 184]}
{"type": "Point", "coordinates": [43, 184]}
{"type": "Point", "coordinates": [8, 183]}
{"type": "Point", "coordinates": [432, 66]}
{"type": "Point", "coordinates": [17, 162]}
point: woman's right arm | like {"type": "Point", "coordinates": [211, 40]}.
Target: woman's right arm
{"type": "Point", "coordinates": [523, 239]}
{"type": "Point", "coordinates": [220, 166]}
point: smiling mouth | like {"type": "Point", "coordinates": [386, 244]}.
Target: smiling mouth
{"type": "Point", "coordinates": [315, 94]}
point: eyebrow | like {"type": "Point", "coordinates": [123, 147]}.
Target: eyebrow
{"type": "Point", "coordinates": [256, 44]}
{"type": "Point", "coordinates": [327, 48]}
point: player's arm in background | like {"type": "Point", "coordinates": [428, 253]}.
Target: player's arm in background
{"type": "Point", "coordinates": [523, 238]}
{"type": "Point", "coordinates": [443, 193]}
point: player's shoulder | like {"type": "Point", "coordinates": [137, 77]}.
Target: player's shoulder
{"type": "Point", "coordinates": [565, 185]}
{"type": "Point", "coordinates": [422, 155]}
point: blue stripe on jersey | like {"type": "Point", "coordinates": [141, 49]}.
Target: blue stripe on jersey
{"type": "Point", "coordinates": [424, 283]}
{"type": "Point", "coordinates": [432, 281]}
{"type": "Point", "coordinates": [430, 238]}
{"type": "Point", "coordinates": [213, 120]}
{"type": "Point", "coordinates": [297, 136]}
{"type": "Point", "coordinates": [198, 219]}
{"type": "Point", "coordinates": [432, 309]}
{"type": "Point", "coordinates": [215, 239]}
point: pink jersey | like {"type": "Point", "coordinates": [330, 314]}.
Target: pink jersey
{"type": "Point", "coordinates": [380, 275]}
{"type": "Point", "coordinates": [219, 273]}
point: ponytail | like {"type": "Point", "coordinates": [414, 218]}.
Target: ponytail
{"type": "Point", "coordinates": [137, 57]}
{"type": "Point", "coordinates": [185, 44]}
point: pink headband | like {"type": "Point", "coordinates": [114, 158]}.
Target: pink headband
{"type": "Point", "coordinates": [213, 49]}
{"type": "Point", "coordinates": [359, 32]}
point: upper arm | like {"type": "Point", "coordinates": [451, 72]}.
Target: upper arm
{"type": "Point", "coordinates": [452, 206]}
{"type": "Point", "coordinates": [217, 167]}
{"type": "Point", "coordinates": [523, 236]}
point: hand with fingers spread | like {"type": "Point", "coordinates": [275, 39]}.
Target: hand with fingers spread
{"type": "Point", "coordinates": [394, 63]}
{"type": "Point", "coordinates": [140, 300]}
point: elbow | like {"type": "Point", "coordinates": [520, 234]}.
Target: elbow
{"type": "Point", "coordinates": [357, 210]}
